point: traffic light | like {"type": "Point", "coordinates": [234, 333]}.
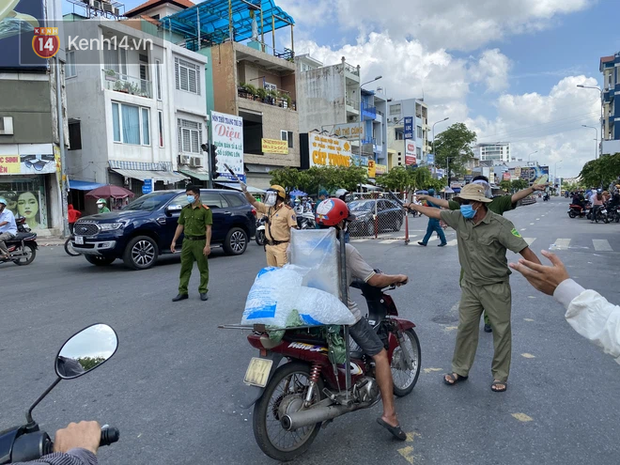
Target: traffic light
{"type": "Point", "coordinates": [213, 155]}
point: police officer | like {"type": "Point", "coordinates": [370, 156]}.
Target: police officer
{"type": "Point", "coordinates": [280, 219]}
{"type": "Point", "coordinates": [195, 221]}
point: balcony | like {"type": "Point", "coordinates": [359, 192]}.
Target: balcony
{"type": "Point", "coordinates": [273, 98]}
{"type": "Point", "coordinates": [127, 84]}
{"type": "Point", "coordinates": [368, 112]}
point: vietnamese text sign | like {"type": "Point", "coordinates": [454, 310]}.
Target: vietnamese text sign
{"type": "Point", "coordinates": [430, 159]}
{"type": "Point", "coordinates": [27, 164]}
{"type": "Point", "coordinates": [327, 151]}
{"type": "Point", "coordinates": [351, 131]}
{"type": "Point", "coordinates": [410, 152]}
{"type": "Point", "coordinates": [10, 164]}
{"type": "Point", "coordinates": [371, 169]}
{"type": "Point", "coordinates": [228, 140]}
{"type": "Point", "coordinates": [408, 130]}
{"type": "Point", "coordinates": [380, 169]}
{"type": "Point", "coordinates": [274, 146]}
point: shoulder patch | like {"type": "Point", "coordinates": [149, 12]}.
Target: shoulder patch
{"type": "Point", "coordinates": [515, 232]}
{"type": "Point", "coordinates": [288, 206]}
{"type": "Point", "coordinates": [205, 207]}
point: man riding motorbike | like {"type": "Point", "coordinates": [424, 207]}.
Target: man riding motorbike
{"type": "Point", "coordinates": [8, 228]}
{"type": "Point", "coordinates": [335, 213]}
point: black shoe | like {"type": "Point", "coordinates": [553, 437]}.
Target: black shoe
{"type": "Point", "coordinates": [422, 244]}
{"type": "Point", "coordinates": [204, 297]}
{"type": "Point", "coordinates": [487, 328]}
{"type": "Point", "coordinates": [442, 245]}
{"type": "Point", "coordinates": [180, 297]}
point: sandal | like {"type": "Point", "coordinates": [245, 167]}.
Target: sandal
{"type": "Point", "coordinates": [396, 431]}
{"type": "Point", "coordinates": [454, 378]}
{"type": "Point", "coordinates": [495, 387]}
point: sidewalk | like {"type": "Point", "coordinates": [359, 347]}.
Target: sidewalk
{"type": "Point", "coordinates": [47, 241]}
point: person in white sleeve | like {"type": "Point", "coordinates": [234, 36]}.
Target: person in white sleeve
{"type": "Point", "coordinates": [587, 311]}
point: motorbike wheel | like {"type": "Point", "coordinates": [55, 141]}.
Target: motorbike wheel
{"type": "Point", "coordinates": [406, 379]}
{"type": "Point", "coordinates": [70, 250]}
{"type": "Point", "coordinates": [284, 394]}
{"type": "Point", "coordinates": [31, 254]}
{"type": "Point", "coordinates": [571, 214]}
{"type": "Point", "coordinates": [260, 238]}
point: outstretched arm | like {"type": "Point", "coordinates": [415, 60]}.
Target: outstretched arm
{"type": "Point", "coordinates": [428, 211]}
{"type": "Point", "coordinates": [439, 202]}
{"type": "Point", "coordinates": [525, 192]}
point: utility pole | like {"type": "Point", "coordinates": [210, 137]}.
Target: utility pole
{"type": "Point", "coordinates": [61, 144]}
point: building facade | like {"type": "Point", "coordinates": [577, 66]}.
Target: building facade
{"type": "Point", "coordinates": [397, 111]}
{"type": "Point", "coordinates": [498, 152]}
{"type": "Point", "coordinates": [610, 137]}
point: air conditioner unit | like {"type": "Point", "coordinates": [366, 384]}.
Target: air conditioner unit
{"type": "Point", "coordinates": [117, 12]}
{"type": "Point", "coordinates": [96, 4]}
{"type": "Point", "coordinates": [196, 162]}
{"type": "Point", "coordinates": [6, 125]}
{"type": "Point", "coordinates": [184, 159]}
{"type": "Point", "coordinates": [107, 7]}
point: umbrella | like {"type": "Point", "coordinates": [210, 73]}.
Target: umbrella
{"type": "Point", "coordinates": [297, 193]}
{"type": "Point", "coordinates": [422, 192]}
{"type": "Point", "coordinates": [108, 191]}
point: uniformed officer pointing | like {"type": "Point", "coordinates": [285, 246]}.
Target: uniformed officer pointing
{"type": "Point", "coordinates": [280, 219]}
{"type": "Point", "coordinates": [195, 221]}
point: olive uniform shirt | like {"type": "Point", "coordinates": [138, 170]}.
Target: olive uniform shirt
{"type": "Point", "coordinates": [498, 205]}
{"type": "Point", "coordinates": [280, 220]}
{"type": "Point", "coordinates": [195, 220]}
{"type": "Point", "coordinates": [482, 247]}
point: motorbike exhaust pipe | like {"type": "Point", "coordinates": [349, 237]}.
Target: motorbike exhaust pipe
{"type": "Point", "coordinates": [296, 420]}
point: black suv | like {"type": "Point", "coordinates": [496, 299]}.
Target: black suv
{"type": "Point", "coordinates": [144, 229]}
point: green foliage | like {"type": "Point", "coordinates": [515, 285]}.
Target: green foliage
{"type": "Point", "coordinates": [250, 89]}
{"type": "Point", "coordinates": [401, 179]}
{"type": "Point", "coordinates": [602, 171]}
{"type": "Point", "coordinates": [519, 184]}
{"type": "Point", "coordinates": [505, 185]}
{"type": "Point", "coordinates": [573, 186]}
{"type": "Point", "coordinates": [89, 363]}
{"type": "Point", "coordinates": [454, 143]}
{"type": "Point", "coordinates": [317, 178]}
{"type": "Point", "coordinates": [261, 93]}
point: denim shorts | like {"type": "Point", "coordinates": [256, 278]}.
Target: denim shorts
{"type": "Point", "coordinates": [365, 336]}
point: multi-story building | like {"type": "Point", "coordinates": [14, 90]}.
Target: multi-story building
{"type": "Point", "coordinates": [29, 137]}
{"type": "Point", "coordinates": [146, 112]}
{"type": "Point", "coordinates": [498, 152]}
{"type": "Point", "coordinates": [611, 114]}
{"type": "Point", "coordinates": [397, 111]}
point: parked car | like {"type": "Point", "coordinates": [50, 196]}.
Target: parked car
{"type": "Point", "coordinates": [389, 215]}
{"type": "Point", "coordinates": [144, 229]}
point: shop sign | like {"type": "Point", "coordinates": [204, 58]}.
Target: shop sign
{"type": "Point", "coordinates": [274, 146]}
{"type": "Point", "coordinates": [380, 169]}
{"type": "Point", "coordinates": [371, 169]}
{"type": "Point", "coordinates": [410, 152]}
{"type": "Point", "coordinates": [228, 140]}
{"type": "Point", "coordinates": [351, 131]}
{"type": "Point", "coordinates": [27, 164]}
{"type": "Point", "coordinates": [328, 151]}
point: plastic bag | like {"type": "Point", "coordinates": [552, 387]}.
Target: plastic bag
{"type": "Point", "coordinates": [317, 251]}
{"type": "Point", "coordinates": [317, 307]}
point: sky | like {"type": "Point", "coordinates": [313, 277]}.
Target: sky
{"type": "Point", "coordinates": [508, 69]}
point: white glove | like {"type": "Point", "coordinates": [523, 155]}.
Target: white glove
{"type": "Point", "coordinates": [244, 188]}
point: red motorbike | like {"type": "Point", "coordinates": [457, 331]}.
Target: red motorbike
{"type": "Point", "coordinates": [293, 400]}
{"type": "Point", "coordinates": [575, 210]}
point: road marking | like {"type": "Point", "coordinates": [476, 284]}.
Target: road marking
{"type": "Point", "coordinates": [407, 452]}
{"type": "Point", "coordinates": [537, 219]}
{"type": "Point", "coordinates": [450, 328]}
{"type": "Point", "coordinates": [523, 229]}
{"type": "Point", "coordinates": [531, 297]}
{"type": "Point", "coordinates": [359, 240]}
{"type": "Point", "coordinates": [531, 224]}
{"type": "Point", "coordinates": [528, 319]}
{"type": "Point", "coordinates": [526, 355]}
{"type": "Point", "coordinates": [430, 370]}
{"type": "Point", "coordinates": [452, 243]}
{"type": "Point", "coordinates": [522, 417]}
{"type": "Point", "coordinates": [602, 245]}
{"type": "Point", "coordinates": [561, 244]}
{"type": "Point", "coordinates": [529, 240]}
{"type": "Point", "coordinates": [386, 242]}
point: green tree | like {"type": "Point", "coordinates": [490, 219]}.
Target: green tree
{"type": "Point", "coordinates": [505, 185]}
{"type": "Point", "coordinates": [89, 363]}
{"type": "Point", "coordinates": [454, 144]}
{"type": "Point", "coordinates": [398, 179]}
{"type": "Point", "coordinates": [320, 177]}
{"type": "Point", "coordinates": [602, 171]}
{"type": "Point", "coordinates": [519, 184]}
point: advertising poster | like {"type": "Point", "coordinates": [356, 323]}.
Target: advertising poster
{"type": "Point", "coordinates": [410, 152]}
{"type": "Point", "coordinates": [228, 140]}
{"type": "Point", "coordinates": [18, 22]}
{"type": "Point", "coordinates": [328, 151]}
{"type": "Point", "coordinates": [274, 146]}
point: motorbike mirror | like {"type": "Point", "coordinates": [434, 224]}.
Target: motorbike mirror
{"type": "Point", "coordinates": [86, 350]}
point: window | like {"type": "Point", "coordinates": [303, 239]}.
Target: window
{"type": "Point", "coordinates": [130, 124]}
{"type": "Point", "coordinates": [212, 200]}
{"type": "Point", "coordinates": [268, 86]}
{"type": "Point", "coordinates": [187, 76]}
{"type": "Point", "coordinates": [180, 199]}
{"type": "Point", "coordinates": [419, 152]}
{"type": "Point", "coordinates": [158, 78]}
{"type": "Point", "coordinates": [70, 69]}
{"type": "Point", "coordinates": [235, 200]}
{"type": "Point", "coordinates": [400, 135]}
{"type": "Point", "coordinates": [115, 60]}
{"type": "Point", "coordinates": [75, 135]}
{"type": "Point", "coordinates": [290, 139]}
{"type": "Point", "coordinates": [190, 135]}
{"type": "Point", "coordinates": [395, 110]}
{"type": "Point", "coordinates": [160, 116]}
{"type": "Point", "coordinates": [419, 132]}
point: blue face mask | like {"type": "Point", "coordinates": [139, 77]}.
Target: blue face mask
{"type": "Point", "coordinates": [468, 211]}
{"type": "Point", "coordinates": [191, 198]}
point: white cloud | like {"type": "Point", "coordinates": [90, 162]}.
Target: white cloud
{"type": "Point", "coordinates": [492, 69]}
{"type": "Point", "coordinates": [448, 24]}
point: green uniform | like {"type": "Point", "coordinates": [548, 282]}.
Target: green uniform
{"type": "Point", "coordinates": [104, 210]}
{"type": "Point", "coordinates": [485, 286]}
{"type": "Point", "coordinates": [194, 221]}
{"type": "Point", "coordinates": [498, 205]}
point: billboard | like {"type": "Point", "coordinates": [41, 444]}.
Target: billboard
{"type": "Point", "coordinates": [274, 146]}
{"type": "Point", "coordinates": [408, 129]}
{"type": "Point", "coordinates": [410, 152]}
{"type": "Point", "coordinates": [18, 20]}
{"type": "Point", "coordinates": [227, 133]}
{"type": "Point", "coordinates": [328, 151]}
{"type": "Point", "coordinates": [351, 131]}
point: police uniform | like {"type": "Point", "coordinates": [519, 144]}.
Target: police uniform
{"type": "Point", "coordinates": [194, 220]}
{"type": "Point", "coordinates": [280, 220]}
{"type": "Point", "coordinates": [485, 286]}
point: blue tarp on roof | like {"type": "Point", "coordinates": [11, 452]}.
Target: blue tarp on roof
{"type": "Point", "coordinates": [214, 19]}
{"type": "Point", "coordinates": [83, 185]}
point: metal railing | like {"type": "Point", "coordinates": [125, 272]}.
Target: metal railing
{"type": "Point", "coordinates": [351, 69]}
{"type": "Point", "coordinates": [353, 103]}
{"type": "Point", "coordinates": [370, 112]}
{"type": "Point", "coordinates": [268, 99]}
{"type": "Point", "coordinates": [127, 84]}
{"type": "Point", "coordinates": [378, 215]}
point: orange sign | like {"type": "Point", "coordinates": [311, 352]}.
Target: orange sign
{"type": "Point", "coordinates": [372, 172]}
{"type": "Point", "coordinates": [10, 164]}
{"type": "Point", "coordinates": [274, 146]}
{"type": "Point", "coordinates": [46, 42]}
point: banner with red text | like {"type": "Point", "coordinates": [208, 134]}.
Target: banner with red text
{"type": "Point", "coordinates": [227, 133]}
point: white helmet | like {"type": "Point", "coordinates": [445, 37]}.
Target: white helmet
{"type": "Point", "coordinates": [341, 192]}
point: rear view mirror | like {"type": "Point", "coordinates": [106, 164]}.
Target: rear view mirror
{"type": "Point", "coordinates": [85, 351]}
{"type": "Point", "coordinates": [174, 208]}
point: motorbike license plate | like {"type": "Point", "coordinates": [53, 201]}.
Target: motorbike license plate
{"type": "Point", "coordinates": [258, 372]}
{"type": "Point", "coordinates": [604, 212]}
{"type": "Point", "coordinates": [79, 240]}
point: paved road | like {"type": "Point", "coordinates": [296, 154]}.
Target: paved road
{"type": "Point", "coordinates": [173, 386]}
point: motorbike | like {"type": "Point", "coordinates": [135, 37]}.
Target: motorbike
{"type": "Point", "coordinates": [80, 354]}
{"type": "Point", "coordinates": [292, 401]}
{"type": "Point", "coordinates": [575, 210]}
{"type": "Point", "coordinates": [546, 197]}
{"type": "Point", "coordinates": [601, 215]}
{"type": "Point", "coordinates": [260, 231]}
{"type": "Point", "coordinates": [23, 247]}
{"type": "Point", "coordinates": [306, 220]}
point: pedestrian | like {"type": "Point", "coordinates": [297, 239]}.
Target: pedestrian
{"type": "Point", "coordinates": [433, 225]}
{"type": "Point", "coordinates": [499, 205]}
{"type": "Point", "coordinates": [102, 206]}
{"type": "Point", "coordinates": [483, 237]}
{"type": "Point", "coordinates": [8, 228]}
{"type": "Point", "coordinates": [73, 215]}
{"type": "Point", "coordinates": [280, 220]}
{"type": "Point", "coordinates": [195, 223]}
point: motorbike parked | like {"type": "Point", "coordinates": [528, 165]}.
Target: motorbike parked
{"type": "Point", "coordinates": [575, 210]}
{"type": "Point", "coordinates": [80, 354]}
{"type": "Point", "coordinates": [23, 247]}
{"type": "Point", "coordinates": [294, 400]}
{"type": "Point", "coordinates": [260, 231]}
{"type": "Point", "coordinates": [306, 220]}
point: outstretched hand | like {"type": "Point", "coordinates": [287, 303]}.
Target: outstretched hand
{"type": "Point", "coordinates": [544, 278]}
{"type": "Point", "coordinates": [540, 187]}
